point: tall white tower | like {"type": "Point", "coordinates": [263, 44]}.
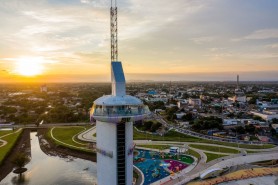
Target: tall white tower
{"type": "Point", "coordinates": [114, 115]}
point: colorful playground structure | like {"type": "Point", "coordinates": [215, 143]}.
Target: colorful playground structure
{"type": "Point", "coordinates": [158, 165]}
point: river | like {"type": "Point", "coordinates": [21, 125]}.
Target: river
{"type": "Point", "coordinates": [49, 170]}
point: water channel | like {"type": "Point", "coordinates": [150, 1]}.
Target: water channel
{"type": "Point", "coordinates": [49, 170]}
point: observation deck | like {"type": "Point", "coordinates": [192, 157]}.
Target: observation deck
{"type": "Point", "coordinates": [114, 109]}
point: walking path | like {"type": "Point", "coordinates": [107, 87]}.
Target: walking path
{"type": "Point", "coordinates": [88, 135]}
{"type": "Point", "coordinates": [202, 166]}
{"type": "Point", "coordinates": [3, 142]}
{"type": "Point", "coordinates": [51, 134]}
{"type": "Point", "coordinates": [240, 175]}
{"type": "Point", "coordinates": [239, 160]}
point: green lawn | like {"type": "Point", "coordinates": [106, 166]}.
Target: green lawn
{"type": "Point", "coordinates": [159, 147]}
{"type": "Point", "coordinates": [4, 132]}
{"type": "Point", "coordinates": [251, 151]}
{"type": "Point", "coordinates": [215, 148]}
{"type": "Point", "coordinates": [11, 139]}
{"type": "Point", "coordinates": [176, 136]}
{"type": "Point", "coordinates": [211, 156]}
{"type": "Point", "coordinates": [65, 138]}
{"type": "Point", "coordinates": [170, 136]}
{"type": "Point", "coordinates": [194, 153]}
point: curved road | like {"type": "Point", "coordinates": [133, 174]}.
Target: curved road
{"type": "Point", "coordinates": [228, 161]}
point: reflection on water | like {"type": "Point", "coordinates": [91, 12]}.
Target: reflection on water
{"type": "Point", "coordinates": [46, 170]}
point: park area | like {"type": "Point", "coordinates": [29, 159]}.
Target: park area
{"type": "Point", "coordinates": [158, 165]}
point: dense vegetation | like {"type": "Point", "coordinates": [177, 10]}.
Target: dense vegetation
{"type": "Point", "coordinates": [206, 123]}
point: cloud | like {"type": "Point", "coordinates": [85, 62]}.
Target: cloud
{"type": "Point", "coordinates": [86, 1]}
{"type": "Point", "coordinates": [259, 35]}
{"type": "Point", "coordinates": [202, 40]}
{"type": "Point", "coordinates": [263, 34]}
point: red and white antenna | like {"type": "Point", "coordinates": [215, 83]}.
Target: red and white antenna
{"type": "Point", "coordinates": [114, 30]}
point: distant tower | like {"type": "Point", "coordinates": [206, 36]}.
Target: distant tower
{"type": "Point", "coordinates": [43, 88]}
{"type": "Point", "coordinates": [114, 115]}
{"type": "Point", "coordinates": [237, 84]}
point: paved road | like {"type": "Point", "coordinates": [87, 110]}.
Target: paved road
{"type": "Point", "coordinates": [239, 160]}
{"type": "Point", "coordinates": [44, 125]}
{"type": "Point", "coordinates": [198, 135]}
{"type": "Point", "coordinates": [88, 135]}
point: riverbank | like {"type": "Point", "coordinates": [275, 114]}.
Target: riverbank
{"type": "Point", "coordinates": [53, 149]}
{"type": "Point", "coordinates": [22, 146]}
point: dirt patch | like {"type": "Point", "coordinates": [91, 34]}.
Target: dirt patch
{"type": "Point", "coordinates": [22, 146]}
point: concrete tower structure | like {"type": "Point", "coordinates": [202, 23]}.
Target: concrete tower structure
{"type": "Point", "coordinates": [114, 115]}
{"type": "Point", "coordinates": [237, 83]}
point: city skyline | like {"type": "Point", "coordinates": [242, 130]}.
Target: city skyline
{"type": "Point", "coordinates": [180, 41]}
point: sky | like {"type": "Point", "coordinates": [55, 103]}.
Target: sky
{"type": "Point", "coordinates": [159, 40]}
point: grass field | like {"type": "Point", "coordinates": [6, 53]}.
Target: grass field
{"type": "Point", "coordinates": [211, 156]}
{"type": "Point", "coordinates": [11, 139]}
{"type": "Point", "coordinates": [159, 147]}
{"type": "Point", "coordinates": [194, 153]}
{"type": "Point", "coordinates": [215, 149]}
{"type": "Point", "coordinates": [65, 137]}
{"type": "Point", "coordinates": [4, 132]}
{"type": "Point", "coordinates": [251, 151]}
{"type": "Point", "coordinates": [170, 136]}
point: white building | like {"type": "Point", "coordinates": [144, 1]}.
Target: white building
{"type": "Point", "coordinates": [195, 101]}
{"type": "Point", "coordinates": [43, 88]}
{"type": "Point", "coordinates": [115, 115]}
{"type": "Point", "coordinates": [182, 103]}
{"type": "Point", "coordinates": [266, 115]}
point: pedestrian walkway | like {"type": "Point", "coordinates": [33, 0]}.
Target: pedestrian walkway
{"type": "Point", "coordinates": [239, 175]}
{"type": "Point", "coordinates": [88, 135]}
{"type": "Point", "coordinates": [3, 142]}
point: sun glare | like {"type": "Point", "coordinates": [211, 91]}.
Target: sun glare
{"type": "Point", "coordinates": [29, 66]}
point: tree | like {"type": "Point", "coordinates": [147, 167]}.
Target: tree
{"type": "Point", "coordinates": [20, 160]}
{"type": "Point", "coordinates": [257, 118]}
{"type": "Point", "coordinates": [206, 123]}
{"type": "Point", "coordinates": [240, 130]}
{"type": "Point", "coordinates": [275, 120]}
{"type": "Point", "coordinates": [187, 117]}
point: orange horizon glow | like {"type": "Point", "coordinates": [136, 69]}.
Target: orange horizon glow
{"type": "Point", "coordinates": [29, 66]}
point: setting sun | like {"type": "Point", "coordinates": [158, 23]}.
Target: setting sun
{"type": "Point", "coordinates": [29, 66]}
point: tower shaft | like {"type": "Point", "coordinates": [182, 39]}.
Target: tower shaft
{"type": "Point", "coordinates": [114, 30]}
{"type": "Point", "coordinates": [237, 82]}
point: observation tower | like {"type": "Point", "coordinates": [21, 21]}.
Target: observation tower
{"type": "Point", "coordinates": [114, 115]}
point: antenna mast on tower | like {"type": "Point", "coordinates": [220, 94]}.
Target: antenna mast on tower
{"type": "Point", "coordinates": [114, 30]}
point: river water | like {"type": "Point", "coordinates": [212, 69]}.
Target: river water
{"type": "Point", "coordinates": [49, 170]}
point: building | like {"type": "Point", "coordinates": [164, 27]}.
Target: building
{"type": "Point", "coordinates": [114, 115]}
{"type": "Point", "coordinates": [267, 115]}
{"type": "Point", "coordinates": [195, 102]}
{"type": "Point", "coordinates": [275, 127]}
{"type": "Point", "coordinates": [181, 104]}
{"type": "Point", "coordinates": [239, 94]}
{"type": "Point", "coordinates": [43, 88]}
